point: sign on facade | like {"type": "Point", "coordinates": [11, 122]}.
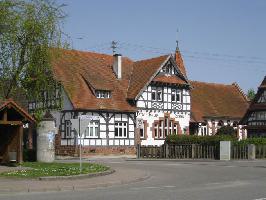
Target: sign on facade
{"type": "Point", "coordinates": [140, 123]}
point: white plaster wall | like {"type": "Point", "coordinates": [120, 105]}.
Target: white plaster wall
{"type": "Point", "coordinates": [142, 101]}
{"type": "Point", "coordinates": [67, 105]}
{"type": "Point", "coordinates": [241, 134]}
{"type": "Point", "coordinates": [151, 116]}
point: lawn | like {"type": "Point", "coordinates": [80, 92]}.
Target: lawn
{"type": "Point", "coordinates": [37, 169]}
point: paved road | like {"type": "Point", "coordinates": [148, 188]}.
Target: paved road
{"type": "Point", "coordinates": [174, 180]}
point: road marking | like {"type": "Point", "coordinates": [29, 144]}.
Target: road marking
{"type": "Point", "coordinates": [169, 186]}
{"type": "Point", "coordinates": [260, 199]}
{"type": "Point", "coordinates": [153, 187]}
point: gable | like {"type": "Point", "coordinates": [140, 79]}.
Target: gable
{"type": "Point", "coordinates": [258, 105]}
{"type": "Point", "coordinates": [14, 112]}
{"type": "Point", "coordinates": [146, 71]}
{"type": "Point", "coordinates": [170, 73]}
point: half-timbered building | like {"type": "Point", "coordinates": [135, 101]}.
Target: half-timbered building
{"type": "Point", "coordinates": [255, 117]}
{"type": "Point", "coordinates": [131, 102]}
{"type": "Point", "coordinates": [216, 105]}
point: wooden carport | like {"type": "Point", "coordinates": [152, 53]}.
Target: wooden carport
{"type": "Point", "coordinates": [12, 119]}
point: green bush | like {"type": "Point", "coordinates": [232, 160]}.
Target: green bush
{"type": "Point", "coordinates": [211, 140]}
{"type": "Point", "coordinates": [193, 139]}
{"type": "Point", "coordinates": [256, 141]}
{"type": "Point", "coordinates": [227, 130]}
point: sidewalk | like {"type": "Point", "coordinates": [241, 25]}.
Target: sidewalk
{"type": "Point", "coordinates": [121, 176]}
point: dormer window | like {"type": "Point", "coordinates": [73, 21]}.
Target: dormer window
{"type": "Point", "coordinates": [103, 94]}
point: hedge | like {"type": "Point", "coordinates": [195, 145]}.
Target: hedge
{"type": "Point", "coordinates": [193, 139]}
{"type": "Point", "coordinates": [211, 140]}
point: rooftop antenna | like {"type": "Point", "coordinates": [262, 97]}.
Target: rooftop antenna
{"type": "Point", "coordinates": [114, 46]}
{"type": "Point", "coordinates": [177, 47]}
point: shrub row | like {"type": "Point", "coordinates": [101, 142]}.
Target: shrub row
{"type": "Point", "coordinates": [193, 139]}
{"type": "Point", "coordinates": [211, 140]}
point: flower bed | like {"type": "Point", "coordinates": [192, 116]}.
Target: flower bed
{"type": "Point", "coordinates": [37, 169]}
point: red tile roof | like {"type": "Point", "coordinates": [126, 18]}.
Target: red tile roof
{"type": "Point", "coordinates": [83, 72]}
{"type": "Point", "coordinates": [210, 100]}
{"type": "Point", "coordinates": [180, 63]}
{"type": "Point", "coordinates": [13, 104]}
{"type": "Point", "coordinates": [169, 79]}
{"type": "Point", "coordinates": [143, 72]}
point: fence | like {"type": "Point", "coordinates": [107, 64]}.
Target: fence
{"type": "Point", "coordinates": [180, 151]}
{"type": "Point", "coordinates": [198, 151]}
{"type": "Point", "coordinates": [261, 151]}
{"type": "Point", "coordinates": [239, 151]}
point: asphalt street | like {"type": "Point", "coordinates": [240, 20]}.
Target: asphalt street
{"type": "Point", "coordinates": [190, 180]}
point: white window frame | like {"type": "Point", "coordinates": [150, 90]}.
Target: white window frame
{"type": "Point", "coordinates": [121, 128]}
{"type": "Point", "coordinates": [175, 93]}
{"type": "Point", "coordinates": [68, 132]}
{"type": "Point", "coordinates": [92, 130]}
{"type": "Point", "coordinates": [157, 92]}
{"type": "Point", "coordinates": [103, 94]}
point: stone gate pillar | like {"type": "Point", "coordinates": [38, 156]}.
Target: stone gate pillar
{"type": "Point", "coordinates": [46, 131]}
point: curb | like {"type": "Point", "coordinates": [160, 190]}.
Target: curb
{"type": "Point", "coordinates": [172, 159]}
{"type": "Point", "coordinates": [74, 177]}
{"type": "Point", "coordinates": [7, 191]}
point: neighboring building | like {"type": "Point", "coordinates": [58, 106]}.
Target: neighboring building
{"type": "Point", "coordinates": [255, 117]}
{"type": "Point", "coordinates": [215, 105]}
{"type": "Point", "coordinates": [130, 102]}
{"type": "Point", "coordinates": [12, 120]}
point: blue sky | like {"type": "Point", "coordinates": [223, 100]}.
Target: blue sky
{"type": "Point", "coordinates": [221, 41]}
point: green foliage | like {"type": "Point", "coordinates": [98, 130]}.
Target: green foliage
{"type": "Point", "coordinates": [227, 130]}
{"type": "Point", "coordinates": [211, 140]}
{"type": "Point", "coordinates": [251, 94]}
{"type": "Point", "coordinates": [256, 141]}
{"type": "Point", "coordinates": [36, 169]}
{"type": "Point", "coordinates": [193, 139]}
{"type": "Point", "coordinates": [38, 115]}
{"type": "Point", "coordinates": [29, 29]}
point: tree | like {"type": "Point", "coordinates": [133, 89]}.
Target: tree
{"type": "Point", "coordinates": [227, 130]}
{"type": "Point", "coordinates": [29, 29]}
{"type": "Point", "coordinates": [251, 94]}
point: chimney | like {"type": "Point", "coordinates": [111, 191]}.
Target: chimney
{"type": "Point", "coordinates": [117, 65]}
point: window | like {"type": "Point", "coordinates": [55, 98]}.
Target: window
{"type": "Point", "coordinates": [141, 132]}
{"type": "Point", "coordinates": [203, 130]}
{"type": "Point", "coordinates": [103, 94]}
{"type": "Point", "coordinates": [157, 94]}
{"type": "Point", "coordinates": [67, 128]}
{"type": "Point", "coordinates": [165, 127]}
{"type": "Point", "coordinates": [175, 95]}
{"type": "Point", "coordinates": [262, 98]}
{"type": "Point", "coordinates": [168, 69]}
{"type": "Point", "coordinates": [92, 130]}
{"type": "Point", "coordinates": [121, 129]}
